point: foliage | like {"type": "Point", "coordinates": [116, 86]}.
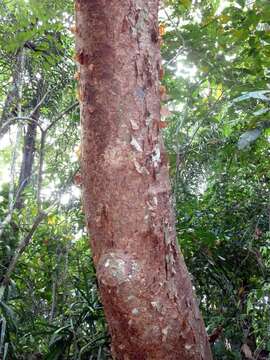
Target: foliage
{"type": "Point", "coordinates": [218, 142]}
{"type": "Point", "coordinates": [216, 61]}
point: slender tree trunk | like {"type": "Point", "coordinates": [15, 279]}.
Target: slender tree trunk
{"type": "Point", "coordinates": [54, 299]}
{"type": "Point", "coordinates": [144, 284]}
{"type": "Point", "coordinates": [27, 158]}
{"type": "Point", "coordinates": [13, 194]}
{"type": "Point", "coordinates": [11, 102]}
{"type": "Point", "coordinates": [30, 141]}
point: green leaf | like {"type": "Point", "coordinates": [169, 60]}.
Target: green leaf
{"type": "Point", "coordinates": [260, 95]}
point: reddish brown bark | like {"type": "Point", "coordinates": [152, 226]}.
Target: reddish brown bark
{"type": "Point", "coordinates": [144, 284]}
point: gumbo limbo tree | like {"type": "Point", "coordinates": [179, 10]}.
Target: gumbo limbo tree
{"type": "Point", "coordinates": [144, 284]}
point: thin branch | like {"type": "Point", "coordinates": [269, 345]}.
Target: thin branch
{"type": "Point", "coordinates": [37, 107]}
{"type": "Point", "coordinates": [54, 301]}
{"type": "Point", "coordinates": [209, 112]}
{"type": "Point", "coordinates": [22, 245]}
{"type": "Point", "coordinates": [183, 47]}
{"type": "Point", "coordinates": [63, 113]}
{"type": "Point", "coordinates": [42, 155]}
{"type": "Point", "coordinates": [30, 119]}
{"type": "Point", "coordinates": [12, 120]}
{"type": "Point", "coordinates": [8, 217]}
{"type": "Point", "coordinates": [179, 52]}
{"type": "Point", "coordinates": [40, 170]}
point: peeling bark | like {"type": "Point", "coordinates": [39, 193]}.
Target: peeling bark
{"type": "Point", "coordinates": [144, 284]}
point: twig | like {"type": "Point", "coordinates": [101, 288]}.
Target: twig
{"type": "Point", "coordinates": [179, 51]}
{"type": "Point", "coordinates": [8, 217]}
{"type": "Point", "coordinates": [30, 119]}
{"type": "Point", "coordinates": [12, 120]}
{"type": "Point", "coordinates": [22, 245]}
{"type": "Point", "coordinates": [37, 107]}
{"type": "Point", "coordinates": [63, 113]}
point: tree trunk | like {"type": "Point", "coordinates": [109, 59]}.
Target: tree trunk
{"type": "Point", "coordinates": [27, 158]}
{"type": "Point", "coordinates": [144, 284]}
{"type": "Point", "coordinates": [29, 148]}
{"type": "Point", "coordinates": [11, 102]}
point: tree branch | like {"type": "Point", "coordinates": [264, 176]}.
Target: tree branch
{"type": "Point", "coordinates": [37, 107]}
{"type": "Point", "coordinates": [8, 217]}
{"type": "Point", "coordinates": [63, 113]}
{"type": "Point", "coordinates": [12, 120]}
{"type": "Point", "coordinates": [22, 245]}
{"type": "Point", "coordinates": [30, 119]}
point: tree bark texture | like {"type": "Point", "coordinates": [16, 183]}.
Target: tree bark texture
{"type": "Point", "coordinates": [144, 284]}
{"type": "Point", "coordinates": [27, 158]}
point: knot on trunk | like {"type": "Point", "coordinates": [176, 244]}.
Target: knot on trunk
{"type": "Point", "coordinates": [116, 268]}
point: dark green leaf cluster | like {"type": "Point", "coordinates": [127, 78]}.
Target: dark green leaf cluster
{"type": "Point", "coordinates": [218, 143]}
